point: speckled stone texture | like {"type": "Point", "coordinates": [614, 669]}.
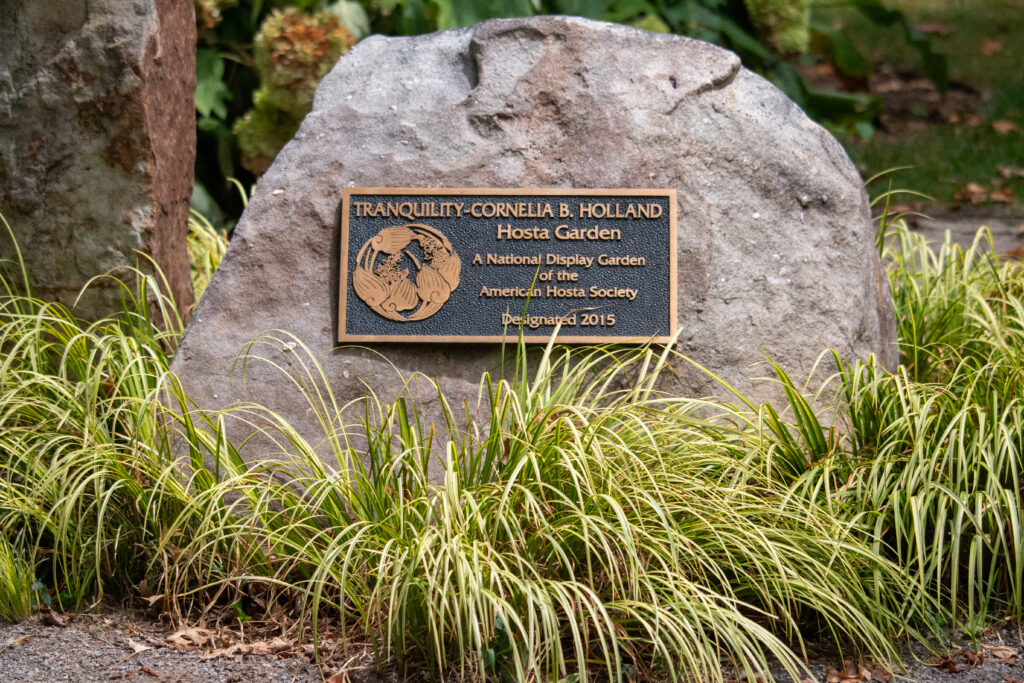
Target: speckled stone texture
{"type": "Point", "coordinates": [97, 141]}
{"type": "Point", "coordinates": [776, 252]}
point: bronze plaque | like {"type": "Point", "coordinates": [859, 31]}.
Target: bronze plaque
{"type": "Point", "coordinates": [473, 265]}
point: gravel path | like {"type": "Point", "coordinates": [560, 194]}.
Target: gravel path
{"type": "Point", "coordinates": [120, 646]}
{"type": "Point", "coordinates": [998, 658]}
{"type": "Point", "coordinates": [1007, 231]}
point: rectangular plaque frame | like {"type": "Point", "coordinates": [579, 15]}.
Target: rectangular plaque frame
{"type": "Point", "coordinates": [512, 330]}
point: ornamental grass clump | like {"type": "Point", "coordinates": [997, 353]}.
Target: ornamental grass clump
{"type": "Point", "coordinates": [583, 528]}
{"type": "Point", "coordinates": [933, 468]}
{"type": "Point", "coordinates": [925, 460]}
{"type": "Point", "coordinates": [16, 582]}
{"type": "Point", "coordinates": [86, 476]}
{"type": "Point", "coordinates": [582, 522]}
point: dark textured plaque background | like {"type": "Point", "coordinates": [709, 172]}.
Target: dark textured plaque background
{"type": "Point", "coordinates": [468, 317]}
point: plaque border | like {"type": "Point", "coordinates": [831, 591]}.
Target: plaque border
{"type": "Point", "coordinates": [347, 193]}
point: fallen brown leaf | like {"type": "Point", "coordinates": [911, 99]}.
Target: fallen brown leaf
{"type": "Point", "coordinates": [989, 46]}
{"type": "Point", "coordinates": [946, 663]}
{"type": "Point", "coordinates": [937, 27]}
{"type": "Point", "coordinates": [280, 645]}
{"type": "Point", "coordinates": [973, 658]}
{"type": "Point", "coordinates": [1010, 679]}
{"type": "Point", "coordinates": [21, 640]}
{"type": "Point", "coordinates": [823, 69]}
{"type": "Point", "coordinates": [1015, 253]}
{"type": "Point", "coordinates": [851, 673]}
{"type": "Point", "coordinates": [1002, 196]}
{"type": "Point", "coordinates": [189, 637]}
{"type": "Point", "coordinates": [138, 647]}
{"type": "Point", "coordinates": [229, 651]}
{"type": "Point", "coordinates": [879, 674]}
{"type": "Point", "coordinates": [1006, 655]}
{"type": "Point", "coordinates": [973, 120]}
{"type": "Point", "coordinates": [973, 193]}
{"type": "Point", "coordinates": [276, 646]}
{"type": "Point", "coordinates": [1004, 127]}
{"type": "Point", "coordinates": [51, 618]}
{"type": "Point", "coordinates": [1010, 171]}
{"type": "Point", "coordinates": [146, 670]}
{"type": "Point", "coordinates": [888, 85]}
{"type": "Point", "coordinates": [342, 677]}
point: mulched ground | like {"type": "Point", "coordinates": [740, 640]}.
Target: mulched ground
{"type": "Point", "coordinates": [119, 645]}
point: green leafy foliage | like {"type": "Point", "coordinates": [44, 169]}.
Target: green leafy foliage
{"type": "Point", "coordinates": [257, 66]}
{"type": "Point", "coordinates": [959, 149]}
{"type": "Point", "coordinates": [935, 66]}
{"type": "Point", "coordinates": [783, 23]}
{"type": "Point", "coordinates": [211, 93]}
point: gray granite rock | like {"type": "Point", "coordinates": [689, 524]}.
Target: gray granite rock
{"type": "Point", "coordinates": [97, 141]}
{"type": "Point", "coordinates": [775, 240]}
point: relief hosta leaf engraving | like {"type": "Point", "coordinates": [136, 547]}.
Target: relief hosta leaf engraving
{"type": "Point", "coordinates": [369, 287]}
{"type": "Point", "coordinates": [382, 277]}
{"type": "Point", "coordinates": [450, 268]}
{"type": "Point", "coordinates": [401, 296]}
{"type": "Point", "coordinates": [431, 286]}
{"type": "Point", "coordinates": [392, 240]}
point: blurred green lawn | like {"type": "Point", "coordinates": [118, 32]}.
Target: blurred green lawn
{"type": "Point", "coordinates": [984, 41]}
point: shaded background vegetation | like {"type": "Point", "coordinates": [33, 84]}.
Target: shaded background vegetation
{"type": "Point", "coordinates": [877, 73]}
{"type": "Point", "coordinates": [965, 146]}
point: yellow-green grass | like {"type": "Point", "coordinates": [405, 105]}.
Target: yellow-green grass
{"type": "Point", "coordinates": [589, 524]}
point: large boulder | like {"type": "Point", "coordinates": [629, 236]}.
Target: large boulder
{"type": "Point", "coordinates": [775, 242]}
{"type": "Point", "coordinates": [97, 141]}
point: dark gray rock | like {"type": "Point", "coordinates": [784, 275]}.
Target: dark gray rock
{"type": "Point", "coordinates": [776, 250]}
{"type": "Point", "coordinates": [97, 141]}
